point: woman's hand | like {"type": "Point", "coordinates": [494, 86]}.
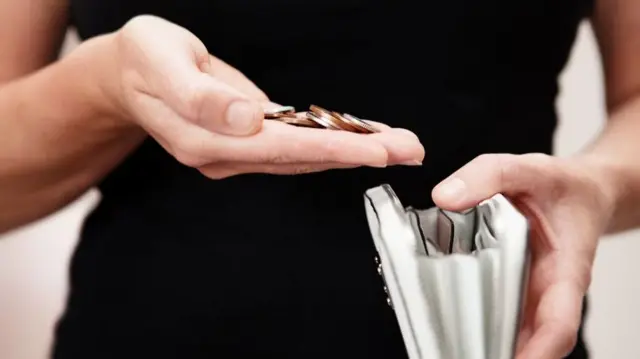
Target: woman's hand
{"type": "Point", "coordinates": [569, 203]}
{"type": "Point", "coordinates": [209, 116]}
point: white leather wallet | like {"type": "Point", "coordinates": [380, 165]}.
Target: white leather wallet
{"type": "Point", "coordinates": [455, 280]}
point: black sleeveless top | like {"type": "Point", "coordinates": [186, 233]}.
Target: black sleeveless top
{"type": "Point", "coordinates": [174, 265]}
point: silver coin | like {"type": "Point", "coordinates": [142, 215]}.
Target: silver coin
{"type": "Point", "coordinates": [279, 111]}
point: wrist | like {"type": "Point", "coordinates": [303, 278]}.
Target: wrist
{"type": "Point", "coordinates": [612, 186]}
{"type": "Point", "coordinates": [95, 64]}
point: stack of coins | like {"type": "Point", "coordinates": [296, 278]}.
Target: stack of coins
{"type": "Point", "coordinates": [318, 117]}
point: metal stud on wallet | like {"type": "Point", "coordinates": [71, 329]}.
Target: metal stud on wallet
{"type": "Point", "coordinates": [454, 280]}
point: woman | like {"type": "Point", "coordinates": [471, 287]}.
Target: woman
{"type": "Point", "coordinates": [199, 249]}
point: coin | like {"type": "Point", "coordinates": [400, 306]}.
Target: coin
{"type": "Point", "coordinates": [333, 117]}
{"type": "Point", "coordinates": [344, 121]}
{"type": "Point", "coordinates": [349, 125]}
{"type": "Point", "coordinates": [318, 117]}
{"type": "Point", "coordinates": [279, 112]}
{"type": "Point", "coordinates": [360, 123]}
{"type": "Point", "coordinates": [317, 110]}
{"type": "Point", "coordinates": [299, 120]}
{"type": "Point", "coordinates": [322, 120]}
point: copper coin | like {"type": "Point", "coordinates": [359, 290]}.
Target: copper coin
{"type": "Point", "coordinates": [322, 121]}
{"type": "Point", "coordinates": [347, 124]}
{"type": "Point", "coordinates": [322, 112]}
{"type": "Point", "coordinates": [327, 116]}
{"type": "Point", "coordinates": [360, 123]}
{"type": "Point", "coordinates": [299, 120]}
{"type": "Point", "coordinates": [317, 109]}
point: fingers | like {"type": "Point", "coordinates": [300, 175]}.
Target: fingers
{"type": "Point", "coordinates": [210, 103]}
{"type": "Point", "coordinates": [553, 304]}
{"type": "Point", "coordinates": [276, 143]}
{"type": "Point", "coordinates": [523, 338]}
{"type": "Point", "coordinates": [228, 169]}
{"type": "Point", "coordinates": [487, 175]}
{"type": "Point", "coordinates": [281, 143]}
{"type": "Point", "coordinates": [403, 147]}
{"type": "Point", "coordinates": [556, 323]}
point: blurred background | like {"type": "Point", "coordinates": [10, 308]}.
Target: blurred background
{"type": "Point", "coordinates": [34, 259]}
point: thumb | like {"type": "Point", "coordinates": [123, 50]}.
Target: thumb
{"type": "Point", "coordinates": [209, 93]}
{"type": "Point", "coordinates": [483, 177]}
{"type": "Point", "coordinates": [201, 98]}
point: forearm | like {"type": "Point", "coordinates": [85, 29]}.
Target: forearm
{"type": "Point", "coordinates": [56, 136]}
{"type": "Point", "coordinates": [616, 156]}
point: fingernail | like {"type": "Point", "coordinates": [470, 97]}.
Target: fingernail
{"type": "Point", "coordinates": [412, 163]}
{"type": "Point", "coordinates": [241, 117]}
{"type": "Point", "coordinates": [452, 189]}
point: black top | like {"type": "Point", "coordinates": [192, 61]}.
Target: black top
{"type": "Point", "coordinates": [172, 264]}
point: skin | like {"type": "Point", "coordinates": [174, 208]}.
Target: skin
{"type": "Point", "coordinates": [68, 131]}
{"type": "Point", "coordinates": [150, 78]}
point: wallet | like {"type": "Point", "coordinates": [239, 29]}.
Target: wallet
{"type": "Point", "coordinates": [455, 280]}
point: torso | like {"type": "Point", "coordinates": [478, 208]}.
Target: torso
{"type": "Point", "coordinates": [173, 263]}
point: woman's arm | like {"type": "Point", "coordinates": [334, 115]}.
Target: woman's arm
{"type": "Point", "coordinates": [56, 136]}
{"type": "Point", "coordinates": [32, 32]}
{"type": "Point", "coordinates": [617, 151]}
{"type": "Point", "coordinates": [66, 125]}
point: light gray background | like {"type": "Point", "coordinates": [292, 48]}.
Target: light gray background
{"type": "Point", "coordinates": [33, 260]}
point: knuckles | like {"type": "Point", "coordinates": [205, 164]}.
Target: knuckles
{"type": "Point", "coordinates": [140, 22]}
{"type": "Point", "coordinates": [131, 33]}
{"type": "Point", "coordinates": [192, 101]}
